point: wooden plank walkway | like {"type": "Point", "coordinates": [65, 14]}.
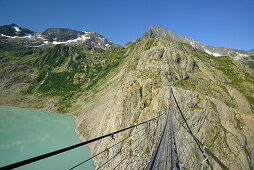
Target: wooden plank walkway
{"type": "Point", "coordinates": [166, 154]}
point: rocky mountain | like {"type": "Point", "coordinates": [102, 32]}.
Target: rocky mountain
{"type": "Point", "coordinates": [61, 34]}
{"type": "Point", "coordinates": [157, 31]}
{"type": "Point", "coordinates": [68, 36]}
{"type": "Point", "coordinates": [52, 36]}
{"type": "Point", "coordinates": [107, 89]}
{"type": "Point", "coordinates": [14, 30]}
{"type": "Point", "coordinates": [215, 94]}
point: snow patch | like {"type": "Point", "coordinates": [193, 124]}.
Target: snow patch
{"type": "Point", "coordinates": [26, 36]}
{"type": "Point", "coordinates": [39, 36]}
{"type": "Point", "coordinates": [29, 36]}
{"type": "Point", "coordinates": [239, 56]}
{"type": "Point", "coordinates": [211, 53]}
{"type": "Point", "coordinates": [56, 42]}
{"type": "Point", "coordinates": [5, 36]}
{"type": "Point", "coordinates": [80, 38]}
{"type": "Point", "coordinates": [14, 37]}
{"type": "Point", "coordinates": [192, 42]}
{"type": "Point", "coordinates": [17, 29]}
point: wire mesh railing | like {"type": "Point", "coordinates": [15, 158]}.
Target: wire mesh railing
{"type": "Point", "coordinates": [135, 147]}
{"type": "Point", "coordinates": [130, 149]}
{"type": "Point", "coordinates": [189, 155]}
{"type": "Point", "coordinates": [192, 154]}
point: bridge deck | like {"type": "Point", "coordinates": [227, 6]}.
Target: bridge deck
{"type": "Point", "coordinates": [166, 156]}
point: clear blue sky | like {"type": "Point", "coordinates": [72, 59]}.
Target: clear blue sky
{"type": "Point", "coordinates": [227, 23]}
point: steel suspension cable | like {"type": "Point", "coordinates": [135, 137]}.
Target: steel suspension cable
{"type": "Point", "coordinates": [43, 156]}
{"type": "Point", "coordinates": [187, 124]}
{"type": "Point", "coordinates": [134, 148]}
{"type": "Point", "coordinates": [141, 158]}
{"type": "Point", "coordinates": [101, 152]}
{"type": "Point", "coordinates": [131, 144]}
{"type": "Point", "coordinates": [153, 138]}
{"type": "Point", "coordinates": [133, 158]}
{"type": "Point", "coordinates": [223, 166]}
{"type": "Point", "coordinates": [119, 152]}
{"type": "Point", "coordinates": [188, 133]}
{"type": "Point", "coordinates": [151, 145]}
{"type": "Point", "coordinates": [127, 155]}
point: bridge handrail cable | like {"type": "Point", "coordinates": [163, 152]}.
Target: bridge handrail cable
{"type": "Point", "coordinates": [43, 156]}
{"type": "Point", "coordinates": [102, 151]}
{"type": "Point", "coordinates": [198, 142]}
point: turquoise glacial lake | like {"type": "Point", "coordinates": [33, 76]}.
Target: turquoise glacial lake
{"type": "Point", "coordinates": [25, 133]}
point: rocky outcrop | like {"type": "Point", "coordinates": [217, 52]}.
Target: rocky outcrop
{"type": "Point", "coordinates": [143, 92]}
{"type": "Point", "coordinates": [60, 34]}
{"type": "Point", "coordinates": [157, 31]}
{"type": "Point", "coordinates": [241, 102]}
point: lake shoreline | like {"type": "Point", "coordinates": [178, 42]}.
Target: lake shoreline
{"type": "Point", "coordinates": [48, 114]}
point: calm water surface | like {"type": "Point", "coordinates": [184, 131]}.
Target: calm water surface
{"type": "Point", "coordinates": [25, 133]}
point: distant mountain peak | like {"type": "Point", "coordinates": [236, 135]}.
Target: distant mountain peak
{"type": "Point", "coordinates": [68, 36]}
{"type": "Point", "coordinates": [61, 34]}
{"type": "Point", "coordinates": [53, 36]}
{"type": "Point", "coordinates": [156, 27]}
{"type": "Point", "coordinates": [14, 25]}
{"type": "Point", "coordinates": [14, 30]}
{"type": "Point", "coordinates": [157, 31]}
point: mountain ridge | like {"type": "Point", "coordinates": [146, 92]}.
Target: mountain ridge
{"type": "Point", "coordinates": [14, 30]}
{"type": "Point", "coordinates": [157, 31]}
{"type": "Point", "coordinates": [53, 36]}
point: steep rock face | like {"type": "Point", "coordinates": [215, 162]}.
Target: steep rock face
{"type": "Point", "coordinates": [241, 102]}
{"type": "Point", "coordinates": [97, 40]}
{"type": "Point", "coordinates": [157, 31]}
{"type": "Point", "coordinates": [153, 67]}
{"type": "Point", "coordinates": [60, 34]}
{"type": "Point", "coordinates": [68, 36]}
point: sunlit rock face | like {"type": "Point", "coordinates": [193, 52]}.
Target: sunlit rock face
{"type": "Point", "coordinates": [107, 89]}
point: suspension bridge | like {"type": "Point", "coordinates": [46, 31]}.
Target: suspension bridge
{"type": "Point", "coordinates": [163, 142]}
